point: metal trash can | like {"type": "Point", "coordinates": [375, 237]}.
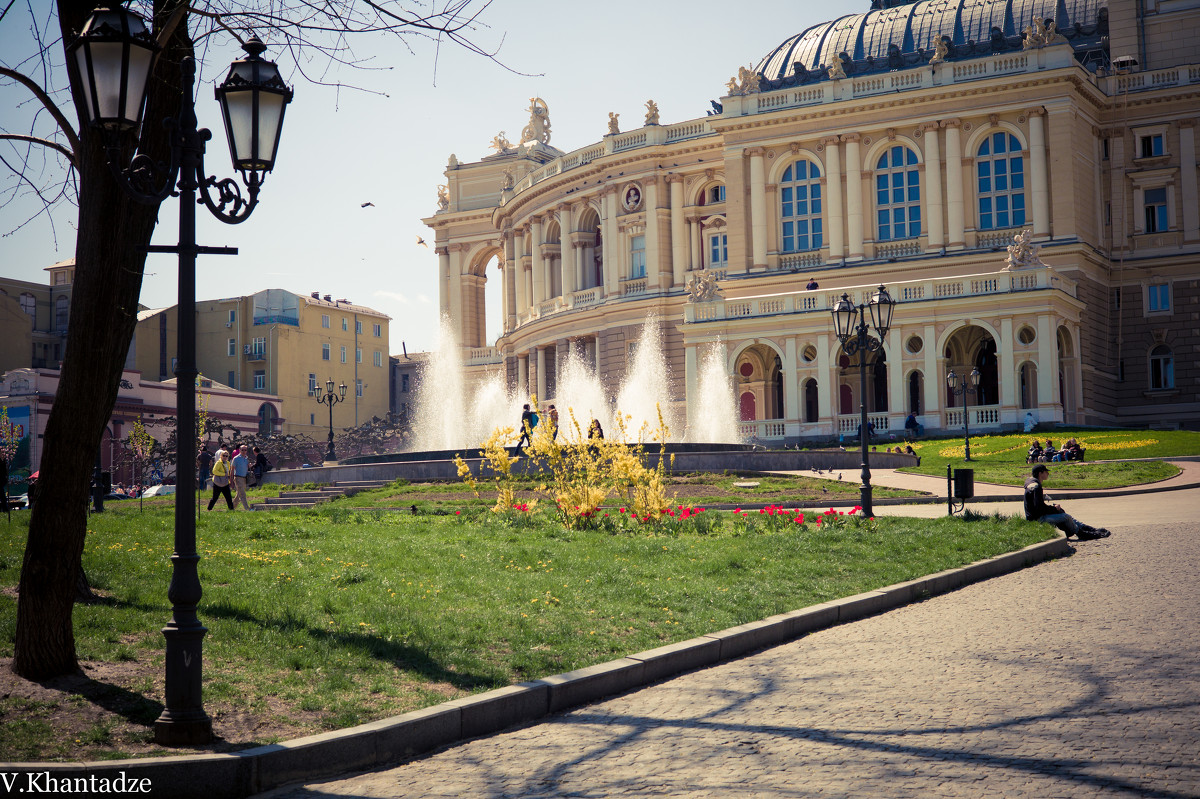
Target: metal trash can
{"type": "Point", "coordinates": [964, 483]}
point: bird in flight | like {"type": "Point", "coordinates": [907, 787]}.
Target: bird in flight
{"type": "Point", "coordinates": [367, 205]}
{"type": "Point", "coordinates": [421, 241]}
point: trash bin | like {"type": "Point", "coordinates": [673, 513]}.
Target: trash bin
{"type": "Point", "coordinates": [964, 483]}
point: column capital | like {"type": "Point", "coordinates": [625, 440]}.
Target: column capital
{"type": "Point", "coordinates": [1035, 112]}
{"type": "Point", "coordinates": [771, 188]}
{"type": "Point", "coordinates": [953, 122]}
{"type": "Point", "coordinates": [829, 141]}
{"type": "Point", "coordinates": [536, 219]}
{"type": "Point", "coordinates": [674, 177]}
{"type": "Point", "coordinates": [850, 137]}
{"type": "Point", "coordinates": [441, 250]}
{"type": "Point", "coordinates": [1186, 123]}
{"type": "Point", "coordinates": [562, 207]}
{"type": "Point", "coordinates": [756, 152]}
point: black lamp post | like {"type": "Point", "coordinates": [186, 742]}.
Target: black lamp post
{"type": "Point", "coordinates": [111, 61]}
{"type": "Point", "coordinates": [965, 391]}
{"type": "Point", "coordinates": [851, 325]}
{"type": "Point", "coordinates": [330, 398]}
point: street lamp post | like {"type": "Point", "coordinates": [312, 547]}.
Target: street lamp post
{"type": "Point", "coordinates": [330, 398]}
{"type": "Point", "coordinates": [850, 322]}
{"type": "Point", "coordinates": [965, 391]}
{"type": "Point", "coordinates": [111, 61]}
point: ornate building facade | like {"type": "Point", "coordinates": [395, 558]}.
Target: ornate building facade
{"type": "Point", "coordinates": [1020, 175]}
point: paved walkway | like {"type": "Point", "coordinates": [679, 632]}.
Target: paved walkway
{"type": "Point", "coordinates": [1074, 678]}
{"type": "Point", "coordinates": [892, 478]}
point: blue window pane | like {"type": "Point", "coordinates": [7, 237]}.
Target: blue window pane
{"type": "Point", "coordinates": [1018, 202]}
{"type": "Point", "coordinates": [785, 194]}
{"type": "Point", "coordinates": [914, 194]}
{"type": "Point", "coordinates": [985, 205]}
{"type": "Point", "coordinates": [802, 192]}
{"type": "Point", "coordinates": [1001, 182]}
{"type": "Point", "coordinates": [985, 169]}
{"type": "Point", "coordinates": [1002, 202]}
{"type": "Point", "coordinates": [816, 206]}
{"type": "Point", "coordinates": [789, 228]}
{"type": "Point", "coordinates": [881, 182]}
{"type": "Point", "coordinates": [787, 209]}
{"type": "Point", "coordinates": [787, 174]}
{"type": "Point", "coordinates": [985, 185]}
{"type": "Point", "coordinates": [985, 149]}
{"type": "Point", "coordinates": [816, 191]}
{"type": "Point", "coordinates": [802, 209]}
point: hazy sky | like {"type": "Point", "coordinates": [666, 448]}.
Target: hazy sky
{"type": "Point", "coordinates": [341, 149]}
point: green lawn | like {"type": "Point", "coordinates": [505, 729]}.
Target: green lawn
{"type": "Point", "coordinates": [1001, 459]}
{"type": "Point", "coordinates": [329, 618]}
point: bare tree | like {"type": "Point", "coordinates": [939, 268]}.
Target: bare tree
{"type": "Point", "coordinates": [112, 230]}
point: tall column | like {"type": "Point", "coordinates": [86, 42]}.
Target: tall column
{"type": "Point", "coordinates": [791, 392]}
{"type": "Point", "coordinates": [515, 245]}
{"type": "Point", "coordinates": [933, 188]}
{"type": "Point", "coordinates": [826, 381]}
{"type": "Point", "coordinates": [1191, 199]}
{"type": "Point", "coordinates": [854, 206]}
{"type": "Point", "coordinates": [443, 254]}
{"type": "Point", "coordinates": [1006, 366]}
{"type": "Point", "coordinates": [933, 379]}
{"type": "Point", "coordinates": [1047, 369]}
{"type": "Point", "coordinates": [678, 235]}
{"type": "Point", "coordinates": [579, 256]}
{"type": "Point", "coordinates": [539, 269]}
{"type": "Point", "coordinates": [893, 349]}
{"type": "Point", "coordinates": [691, 383]}
{"type": "Point", "coordinates": [758, 208]}
{"type": "Point", "coordinates": [566, 260]}
{"type": "Point", "coordinates": [954, 185]}
{"type": "Point", "coordinates": [836, 233]}
{"type": "Point", "coordinates": [541, 374]}
{"type": "Point", "coordinates": [1038, 172]}
{"type": "Point", "coordinates": [654, 265]}
{"type": "Point", "coordinates": [697, 262]}
{"type": "Point", "coordinates": [510, 281]}
{"type": "Point", "coordinates": [523, 376]}
{"type": "Point", "coordinates": [456, 290]}
{"type": "Point", "coordinates": [609, 243]}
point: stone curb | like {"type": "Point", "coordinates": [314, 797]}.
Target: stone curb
{"type": "Point", "coordinates": [240, 774]}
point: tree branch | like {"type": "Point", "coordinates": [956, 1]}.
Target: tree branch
{"type": "Point", "coordinates": [53, 145]}
{"type": "Point", "coordinates": [63, 123]}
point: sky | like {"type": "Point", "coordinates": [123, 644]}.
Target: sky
{"type": "Point", "coordinates": [389, 145]}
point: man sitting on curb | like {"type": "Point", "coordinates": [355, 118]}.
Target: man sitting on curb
{"type": "Point", "coordinates": [1037, 510]}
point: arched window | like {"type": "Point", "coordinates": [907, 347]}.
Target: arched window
{"type": "Point", "coordinates": [29, 305]}
{"type": "Point", "coordinates": [811, 409]}
{"type": "Point", "coordinates": [800, 207]}
{"type": "Point", "coordinates": [1000, 172]}
{"type": "Point", "coordinates": [62, 312]}
{"type": "Point", "coordinates": [266, 419]}
{"type": "Point", "coordinates": [898, 195]}
{"type": "Point", "coordinates": [1162, 367]}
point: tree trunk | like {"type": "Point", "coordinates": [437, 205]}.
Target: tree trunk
{"type": "Point", "coordinates": [108, 280]}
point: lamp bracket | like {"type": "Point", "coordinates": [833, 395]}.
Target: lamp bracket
{"type": "Point", "coordinates": [863, 341]}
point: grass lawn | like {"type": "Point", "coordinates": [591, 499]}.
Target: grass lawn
{"type": "Point", "coordinates": [1001, 459]}
{"type": "Point", "coordinates": [694, 489]}
{"type": "Point", "coordinates": [329, 618]}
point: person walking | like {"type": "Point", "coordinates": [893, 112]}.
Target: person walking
{"type": "Point", "coordinates": [553, 423]}
{"type": "Point", "coordinates": [1037, 509]}
{"type": "Point", "coordinates": [205, 461]}
{"type": "Point", "coordinates": [241, 468]}
{"type": "Point", "coordinates": [527, 424]}
{"type": "Point", "coordinates": [261, 465]}
{"type": "Point", "coordinates": [220, 479]}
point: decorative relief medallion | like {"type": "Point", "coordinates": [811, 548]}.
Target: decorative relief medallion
{"type": "Point", "coordinates": [631, 197]}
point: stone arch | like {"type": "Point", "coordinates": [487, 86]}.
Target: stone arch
{"type": "Point", "coordinates": [975, 139]}
{"type": "Point", "coordinates": [871, 156]}
{"type": "Point", "coordinates": [477, 305]}
{"type": "Point", "coordinates": [1067, 367]}
{"type": "Point", "coordinates": [1027, 388]}
{"type": "Point", "coordinates": [967, 345]}
{"type": "Point", "coordinates": [757, 370]}
{"type": "Point", "coordinates": [810, 400]}
{"type": "Point", "coordinates": [914, 391]}
{"type": "Point", "coordinates": [699, 191]}
{"type": "Point", "coordinates": [590, 237]}
{"type": "Point", "coordinates": [787, 158]}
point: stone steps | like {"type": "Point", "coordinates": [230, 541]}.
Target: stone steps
{"type": "Point", "coordinates": [312, 498]}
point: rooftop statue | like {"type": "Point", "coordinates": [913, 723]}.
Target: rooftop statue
{"type": "Point", "coordinates": [613, 127]}
{"type": "Point", "coordinates": [443, 198]}
{"type": "Point", "coordinates": [836, 71]}
{"type": "Point", "coordinates": [746, 82]}
{"type": "Point", "coordinates": [1039, 34]}
{"type": "Point", "coordinates": [702, 287]}
{"type": "Point", "coordinates": [940, 51]}
{"type": "Point", "coordinates": [507, 183]}
{"type": "Point", "coordinates": [1023, 252]}
{"type": "Point", "coordinates": [651, 112]}
{"type": "Point", "coordinates": [501, 144]}
{"type": "Point", "coordinates": [538, 129]}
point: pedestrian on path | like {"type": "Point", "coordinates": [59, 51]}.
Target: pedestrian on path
{"type": "Point", "coordinates": [241, 469]}
{"type": "Point", "coordinates": [1038, 510]}
{"type": "Point", "coordinates": [220, 479]}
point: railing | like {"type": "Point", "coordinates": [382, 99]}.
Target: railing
{"type": "Point", "coordinates": [587, 296]}
{"type": "Point", "coordinates": [633, 286]}
{"type": "Point", "coordinates": [995, 238]}
{"type": "Point", "coordinates": [477, 356]}
{"type": "Point", "coordinates": [900, 249]}
{"type": "Point", "coordinates": [801, 260]}
{"type": "Point", "coordinates": [762, 429]}
{"type": "Point", "coordinates": [552, 305]}
{"type": "Point", "coordinates": [992, 283]}
{"type": "Point", "coordinates": [848, 422]}
{"type": "Point", "coordinates": [981, 416]}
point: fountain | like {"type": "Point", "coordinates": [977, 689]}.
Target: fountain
{"type": "Point", "coordinates": [450, 415]}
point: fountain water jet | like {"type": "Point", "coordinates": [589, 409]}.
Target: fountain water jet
{"type": "Point", "coordinates": [714, 417]}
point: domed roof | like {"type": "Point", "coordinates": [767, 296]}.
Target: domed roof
{"type": "Point", "coordinates": [903, 36]}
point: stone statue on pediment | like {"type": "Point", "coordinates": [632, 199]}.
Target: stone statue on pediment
{"type": "Point", "coordinates": [702, 287]}
{"type": "Point", "coordinates": [651, 112]}
{"type": "Point", "coordinates": [614, 126]}
{"type": "Point", "coordinates": [1039, 34]}
{"type": "Point", "coordinates": [501, 144]}
{"type": "Point", "coordinates": [443, 198]}
{"type": "Point", "coordinates": [1023, 253]}
{"type": "Point", "coordinates": [747, 81]}
{"type": "Point", "coordinates": [940, 51]}
{"type": "Point", "coordinates": [836, 70]}
{"type": "Point", "coordinates": [538, 129]}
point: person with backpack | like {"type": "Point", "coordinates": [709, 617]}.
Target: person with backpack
{"type": "Point", "coordinates": [1037, 509]}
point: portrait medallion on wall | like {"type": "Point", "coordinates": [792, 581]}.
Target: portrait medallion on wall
{"type": "Point", "coordinates": [631, 197]}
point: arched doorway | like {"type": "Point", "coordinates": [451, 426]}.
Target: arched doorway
{"type": "Point", "coordinates": [1068, 393]}
{"type": "Point", "coordinates": [747, 410]}
{"type": "Point", "coordinates": [972, 347]}
{"type": "Point", "coordinates": [812, 411]}
{"type": "Point", "coordinates": [916, 388]}
{"type": "Point", "coordinates": [1027, 379]}
{"type": "Point", "coordinates": [266, 419]}
{"type": "Point", "coordinates": [759, 372]}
